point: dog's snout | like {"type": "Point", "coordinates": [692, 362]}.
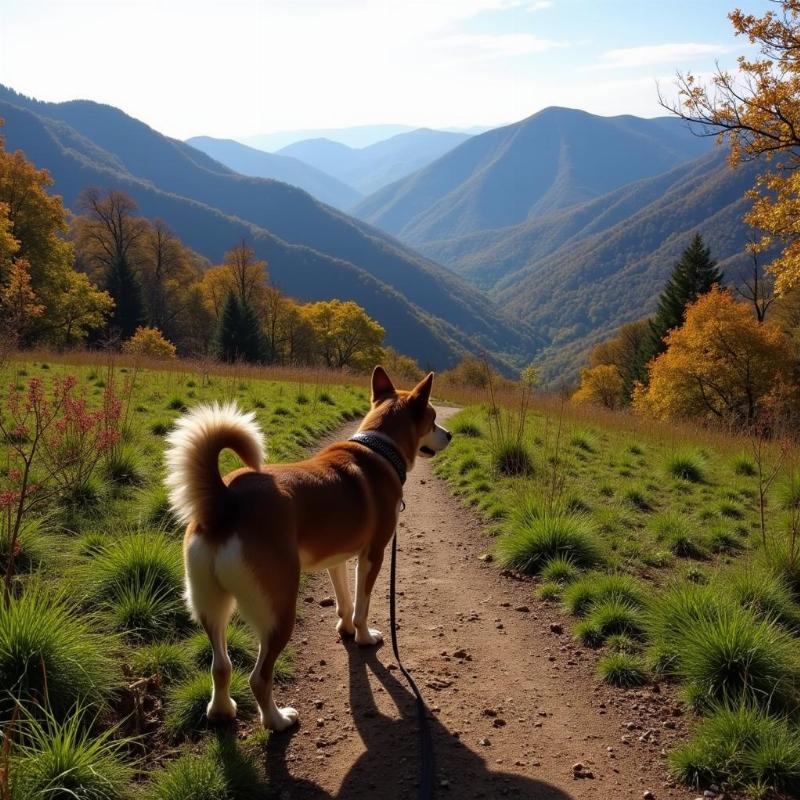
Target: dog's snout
{"type": "Point", "coordinates": [449, 435]}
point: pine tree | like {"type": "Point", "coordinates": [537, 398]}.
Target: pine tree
{"type": "Point", "coordinates": [238, 334]}
{"type": "Point", "coordinates": [126, 291]}
{"type": "Point", "coordinates": [691, 277]}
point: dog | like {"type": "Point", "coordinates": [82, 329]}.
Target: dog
{"type": "Point", "coordinates": [250, 533]}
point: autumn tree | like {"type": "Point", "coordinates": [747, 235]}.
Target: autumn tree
{"type": "Point", "coordinates": [346, 336]}
{"type": "Point", "coordinates": [758, 112]}
{"type": "Point", "coordinates": [109, 239]}
{"type": "Point", "coordinates": [601, 385]}
{"type": "Point", "coordinates": [627, 352]}
{"type": "Point", "coordinates": [150, 343]}
{"type": "Point", "coordinates": [721, 365]}
{"type": "Point", "coordinates": [32, 228]}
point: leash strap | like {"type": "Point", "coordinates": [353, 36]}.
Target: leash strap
{"type": "Point", "coordinates": [428, 768]}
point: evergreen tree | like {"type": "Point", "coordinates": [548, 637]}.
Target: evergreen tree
{"type": "Point", "coordinates": [691, 277]}
{"type": "Point", "coordinates": [126, 291]}
{"type": "Point", "coordinates": [239, 332]}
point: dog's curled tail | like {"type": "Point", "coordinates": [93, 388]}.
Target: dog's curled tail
{"type": "Point", "coordinates": [196, 489]}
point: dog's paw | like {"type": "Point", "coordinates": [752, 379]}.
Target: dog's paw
{"type": "Point", "coordinates": [221, 710]}
{"type": "Point", "coordinates": [370, 637]}
{"type": "Point", "coordinates": [282, 718]}
{"type": "Point", "coordinates": [345, 627]}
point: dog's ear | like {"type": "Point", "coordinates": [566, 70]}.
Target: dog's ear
{"type": "Point", "coordinates": [422, 391]}
{"type": "Point", "coordinates": [382, 386]}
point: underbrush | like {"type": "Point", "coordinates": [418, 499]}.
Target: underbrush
{"type": "Point", "coordinates": [96, 616]}
{"type": "Point", "coordinates": [656, 547]}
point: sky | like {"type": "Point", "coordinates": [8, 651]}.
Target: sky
{"type": "Point", "coordinates": [237, 68]}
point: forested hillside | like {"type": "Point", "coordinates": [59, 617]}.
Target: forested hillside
{"type": "Point", "coordinates": [314, 252]}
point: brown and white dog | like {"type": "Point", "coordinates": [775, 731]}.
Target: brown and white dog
{"type": "Point", "coordinates": [251, 533]}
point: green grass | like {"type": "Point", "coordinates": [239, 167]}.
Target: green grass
{"type": "Point", "coordinates": [622, 669]}
{"type": "Point", "coordinates": [686, 465]}
{"type": "Point", "coordinates": [561, 569]}
{"type": "Point", "coordinates": [168, 660]}
{"type": "Point", "coordinates": [675, 532]}
{"type": "Point", "coordinates": [242, 648]}
{"type": "Point", "coordinates": [528, 548]}
{"type": "Point", "coordinates": [52, 654]}
{"type": "Point", "coordinates": [124, 467]}
{"type": "Point", "coordinates": [741, 746]}
{"type": "Point", "coordinates": [598, 587]}
{"type": "Point", "coordinates": [186, 703]}
{"type": "Point", "coordinates": [510, 458]}
{"type": "Point", "coordinates": [68, 759]}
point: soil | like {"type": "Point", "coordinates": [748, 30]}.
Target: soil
{"type": "Point", "coordinates": [515, 703]}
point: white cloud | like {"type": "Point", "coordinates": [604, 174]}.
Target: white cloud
{"type": "Point", "coordinates": [539, 5]}
{"type": "Point", "coordinates": [675, 54]}
{"type": "Point", "coordinates": [480, 47]}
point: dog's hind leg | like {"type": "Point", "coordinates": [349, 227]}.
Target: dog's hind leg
{"type": "Point", "coordinates": [344, 601]}
{"type": "Point", "coordinates": [212, 606]}
{"type": "Point", "coordinates": [261, 679]}
{"type": "Point", "coordinates": [366, 574]}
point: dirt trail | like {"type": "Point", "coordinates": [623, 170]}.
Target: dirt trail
{"type": "Point", "coordinates": [514, 704]}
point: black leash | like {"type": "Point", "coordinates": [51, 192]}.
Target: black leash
{"type": "Point", "coordinates": [428, 767]}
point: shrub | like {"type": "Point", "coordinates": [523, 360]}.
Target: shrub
{"type": "Point", "coordinates": [730, 655]}
{"type": "Point", "coordinates": [622, 643]}
{"type": "Point", "coordinates": [512, 459]}
{"type": "Point", "coordinates": [549, 590]}
{"type": "Point", "coordinates": [528, 548]}
{"type": "Point", "coordinates": [597, 587]}
{"type": "Point", "coordinates": [721, 540]}
{"type": "Point", "coordinates": [730, 510]}
{"type": "Point", "coordinates": [622, 669]}
{"type": "Point", "coordinates": [559, 570]}
{"type": "Point", "coordinates": [159, 428]}
{"type": "Point", "coordinates": [187, 700]}
{"type": "Point", "coordinates": [48, 652]}
{"type": "Point", "coordinates": [764, 593]}
{"type": "Point", "coordinates": [301, 399]}
{"type": "Point", "coordinates": [612, 615]}
{"type": "Point", "coordinates": [743, 747]}
{"type": "Point", "coordinates": [783, 560]}
{"type": "Point", "coordinates": [67, 759]}
{"type": "Point", "coordinates": [788, 491]}
{"type": "Point", "coordinates": [166, 659]}
{"type": "Point", "coordinates": [33, 547]}
{"type": "Point", "coordinates": [177, 404]}
{"type": "Point", "coordinates": [149, 342]}
{"type": "Point", "coordinates": [686, 465]}
{"type": "Point", "coordinates": [327, 399]}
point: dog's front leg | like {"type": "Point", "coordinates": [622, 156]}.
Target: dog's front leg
{"type": "Point", "coordinates": [366, 574]}
{"type": "Point", "coordinates": [344, 602]}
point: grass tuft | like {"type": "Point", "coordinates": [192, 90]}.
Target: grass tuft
{"type": "Point", "coordinates": [686, 465]}
{"type": "Point", "coordinates": [512, 459]}
{"type": "Point", "coordinates": [622, 669]}
{"type": "Point", "coordinates": [598, 587]}
{"type": "Point", "coordinates": [528, 548]}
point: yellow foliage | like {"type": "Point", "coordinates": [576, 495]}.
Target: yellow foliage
{"type": "Point", "coordinates": [149, 342]}
{"type": "Point", "coordinates": [601, 385]}
{"type": "Point", "coordinates": [345, 335]}
{"type": "Point", "coordinates": [721, 365]}
{"type": "Point", "coordinates": [759, 112]}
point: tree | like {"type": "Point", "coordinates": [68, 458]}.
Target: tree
{"type": "Point", "coordinates": [721, 365]}
{"type": "Point", "coordinates": [18, 303]}
{"type": "Point", "coordinates": [149, 342]}
{"type": "Point", "coordinates": [756, 288]}
{"type": "Point", "coordinates": [346, 336]}
{"type": "Point", "coordinates": [238, 333]}
{"type": "Point", "coordinates": [692, 276]}
{"type": "Point", "coordinates": [601, 385]}
{"type": "Point", "coordinates": [32, 227]}
{"type": "Point", "coordinates": [758, 112]}
{"type": "Point", "coordinates": [628, 352]}
{"type": "Point", "coordinates": [109, 239]}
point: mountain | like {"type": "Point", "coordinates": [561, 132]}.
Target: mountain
{"type": "Point", "coordinates": [370, 168]}
{"type": "Point", "coordinates": [354, 136]}
{"type": "Point", "coordinates": [314, 252]}
{"type": "Point", "coordinates": [590, 269]}
{"type": "Point", "coordinates": [258, 164]}
{"type": "Point", "coordinates": [549, 161]}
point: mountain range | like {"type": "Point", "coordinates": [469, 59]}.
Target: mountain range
{"type": "Point", "coordinates": [369, 169]}
{"type": "Point", "coordinates": [259, 164]}
{"type": "Point", "coordinates": [532, 242]}
{"type": "Point", "coordinates": [314, 252]}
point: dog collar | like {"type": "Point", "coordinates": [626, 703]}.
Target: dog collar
{"type": "Point", "coordinates": [379, 445]}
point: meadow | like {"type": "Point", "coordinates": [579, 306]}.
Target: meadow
{"type": "Point", "coordinates": [104, 677]}
{"type": "Point", "coordinates": [651, 537]}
